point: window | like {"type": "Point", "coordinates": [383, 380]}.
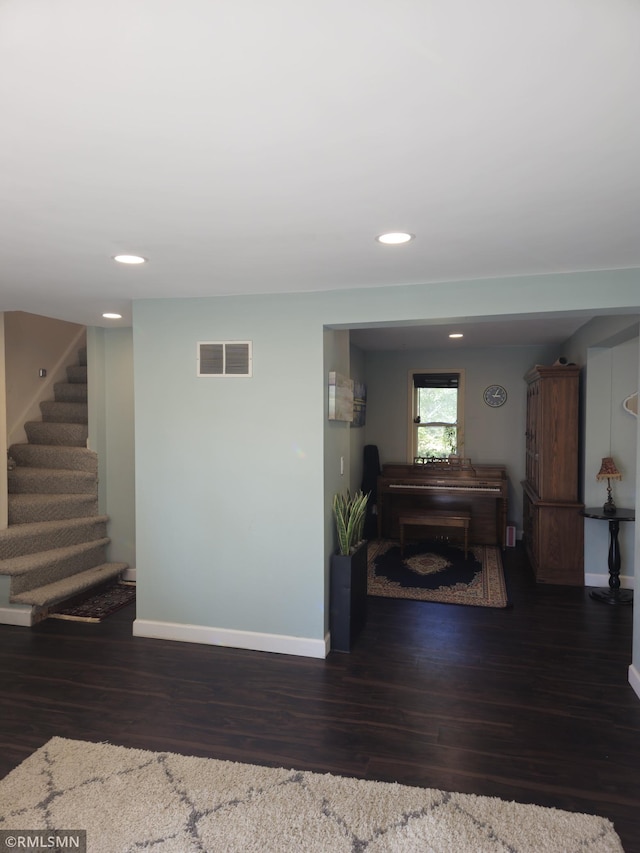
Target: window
{"type": "Point", "coordinates": [436, 413]}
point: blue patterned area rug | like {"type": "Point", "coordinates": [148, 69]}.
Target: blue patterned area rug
{"type": "Point", "coordinates": [437, 571]}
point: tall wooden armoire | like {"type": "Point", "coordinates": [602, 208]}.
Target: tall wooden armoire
{"type": "Point", "coordinates": [553, 526]}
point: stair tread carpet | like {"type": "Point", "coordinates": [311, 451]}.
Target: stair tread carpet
{"type": "Point", "coordinates": [71, 392]}
{"type": "Point", "coordinates": [77, 373]}
{"type": "Point", "coordinates": [51, 481]}
{"type": "Point", "coordinates": [56, 544]}
{"type": "Point", "coordinates": [64, 413]}
{"type": "Point", "coordinates": [67, 587]}
{"type": "Point", "coordinates": [17, 541]}
{"type": "Point", "coordinates": [28, 508]}
{"type": "Point", "coordinates": [44, 456]}
{"type": "Point", "coordinates": [54, 434]}
{"type": "Point", "coordinates": [26, 563]}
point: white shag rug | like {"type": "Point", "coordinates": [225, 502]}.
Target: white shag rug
{"type": "Point", "coordinates": [130, 800]}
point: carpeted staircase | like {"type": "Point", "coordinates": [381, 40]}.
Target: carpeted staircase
{"type": "Point", "coordinates": [55, 545]}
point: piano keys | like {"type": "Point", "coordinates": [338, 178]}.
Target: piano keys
{"type": "Point", "coordinates": [448, 484]}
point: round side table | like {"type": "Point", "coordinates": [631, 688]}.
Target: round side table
{"type": "Point", "coordinates": [612, 595]}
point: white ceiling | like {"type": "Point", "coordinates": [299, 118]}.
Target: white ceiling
{"type": "Point", "coordinates": [250, 146]}
{"type": "Point", "coordinates": [506, 331]}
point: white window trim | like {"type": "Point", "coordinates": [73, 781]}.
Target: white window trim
{"type": "Point", "coordinates": [411, 432]}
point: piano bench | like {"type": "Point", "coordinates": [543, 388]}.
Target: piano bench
{"type": "Point", "coordinates": [436, 518]}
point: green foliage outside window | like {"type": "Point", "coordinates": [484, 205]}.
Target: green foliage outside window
{"type": "Point", "coordinates": [437, 405]}
{"type": "Point", "coordinates": [437, 431]}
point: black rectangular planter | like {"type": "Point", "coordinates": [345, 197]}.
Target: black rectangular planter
{"type": "Point", "coordinates": [348, 597]}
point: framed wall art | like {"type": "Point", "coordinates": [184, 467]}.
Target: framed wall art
{"type": "Point", "coordinates": [359, 404]}
{"type": "Point", "coordinates": [340, 397]}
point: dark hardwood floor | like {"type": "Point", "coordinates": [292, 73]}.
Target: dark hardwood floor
{"type": "Point", "coordinates": [531, 703]}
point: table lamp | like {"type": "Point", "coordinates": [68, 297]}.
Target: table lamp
{"type": "Point", "coordinates": [608, 472]}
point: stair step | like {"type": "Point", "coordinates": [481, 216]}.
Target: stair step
{"type": "Point", "coordinates": [77, 373]}
{"type": "Point", "coordinates": [64, 413]}
{"type": "Point", "coordinates": [51, 481]}
{"type": "Point", "coordinates": [44, 456]}
{"type": "Point", "coordinates": [55, 545]}
{"type": "Point", "coordinates": [54, 593]}
{"type": "Point", "coordinates": [22, 539]}
{"type": "Point", "coordinates": [27, 508]}
{"type": "Point", "coordinates": [46, 567]}
{"type": "Point", "coordinates": [70, 392]}
{"type": "Point", "coordinates": [70, 435]}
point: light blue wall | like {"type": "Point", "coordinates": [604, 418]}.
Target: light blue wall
{"type": "Point", "coordinates": [606, 291]}
{"type": "Point", "coordinates": [612, 371]}
{"type": "Point", "coordinates": [232, 496]}
{"type": "Point", "coordinates": [337, 446]}
{"type": "Point", "coordinates": [608, 349]}
{"type": "Point", "coordinates": [229, 472]}
{"type": "Point", "coordinates": [612, 374]}
{"type": "Point", "coordinates": [120, 469]}
{"type": "Point", "coordinates": [606, 331]}
{"type": "Point", "coordinates": [111, 431]}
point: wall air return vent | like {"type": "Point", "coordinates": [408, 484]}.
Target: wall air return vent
{"type": "Point", "coordinates": [224, 358]}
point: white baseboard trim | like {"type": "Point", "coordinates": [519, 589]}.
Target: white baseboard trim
{"type": "Point", "coordinates": [129, 575]}
{"type": "Point", "coordinates": [626, 581]}
{"type": "Point", "coordinates": [634, 680]}
{"type": "Point", "coordinates": [254, 641]}
{"type": "Point", "coordinates": [21, 615]}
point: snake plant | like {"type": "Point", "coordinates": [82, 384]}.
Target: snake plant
{"type": "Point", "coordinates": [349, 513]}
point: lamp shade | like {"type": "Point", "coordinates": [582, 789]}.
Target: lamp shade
{"type": "Point", "coordinates": [608, 470]}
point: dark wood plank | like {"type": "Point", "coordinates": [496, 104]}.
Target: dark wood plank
{"type": "Point", "coordinates": [530, 703]}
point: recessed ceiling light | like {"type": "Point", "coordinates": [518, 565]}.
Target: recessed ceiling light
{"type": "Point", "coordinates": [456, 335]}
{"type": "Point", "coordinates": [112, 316]}
{"type": "Point", "coordinates": [395, 238]}
{"type": "Point", "coordinates": [130, 259]}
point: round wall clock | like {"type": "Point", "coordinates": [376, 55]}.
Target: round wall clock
{"type": "Point", "coordinates": [495, 395]}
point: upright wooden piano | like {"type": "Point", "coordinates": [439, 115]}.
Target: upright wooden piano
{"type": "Point", "coordinates": [452, 483]}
